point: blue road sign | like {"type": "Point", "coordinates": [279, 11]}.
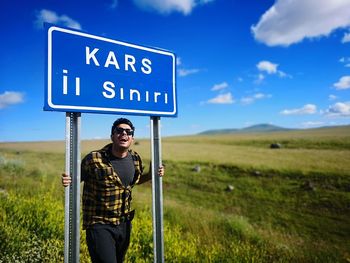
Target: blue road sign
{"type": "Point", "coordinates": [88, 73]}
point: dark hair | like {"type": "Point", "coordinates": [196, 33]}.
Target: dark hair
{"type": "Point", "coordinates": [122, 121]}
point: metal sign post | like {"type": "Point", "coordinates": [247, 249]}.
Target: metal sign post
{"type": "Point", "coordinates": [72, 193]}
{"type": "Point", "coordinates": [157, 191]}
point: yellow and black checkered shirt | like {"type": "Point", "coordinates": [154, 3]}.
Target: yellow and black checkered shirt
{"type": "Point", "coordinates": [105, 199]}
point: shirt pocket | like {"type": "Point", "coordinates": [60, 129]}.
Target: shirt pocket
{"type": "Point", "coordinates": [105, 176]}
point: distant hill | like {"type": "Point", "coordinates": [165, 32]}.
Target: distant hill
{"type": "Point", "coordinates": [250, 129]}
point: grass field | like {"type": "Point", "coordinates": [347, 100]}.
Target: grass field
{"type": "Point", "coordinates": [284, 205]}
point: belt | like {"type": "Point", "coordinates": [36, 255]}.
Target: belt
{"type": "Point", "coordinates": [127, 217]}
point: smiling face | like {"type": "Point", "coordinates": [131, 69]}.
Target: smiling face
{"type": "Point", "coordinates": [122, 137]}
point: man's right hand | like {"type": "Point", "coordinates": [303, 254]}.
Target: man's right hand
{"type": "Point", "coordinates": [66, 180]}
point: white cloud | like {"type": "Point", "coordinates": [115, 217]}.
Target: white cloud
{"type": "Point", "coordinates": [169, 6]}
{"type": "Point", "coordinates": [346, 38]}
{"type": "Point", "coordinates": [283, 74]}
{"type": "Point", "coordinates": [226, 98]}
{"type": "Point", "coordinates": [339, 109]}
{"type": "Point", "coordinates": [310, 124]}
{"type": "Point", "coordinates": [10, 98]}
{"type": "Point", "coordinates": [186, 72]}
{"type": "Point", "coordinates": [267, 66]}
{"type": "Point", "coordinates": [345, 61]}
{"type": "Point", "coordinates": [288, 22]}
{"type": "Point", "coordinates": [178, 61]}
{"type": "Point", "coordinates": [182, 72]}
{"type": "Point", "coordinates": [255, 97]}
{"type": "Point", "coordinates": [343, 83]}
{"type": "Point", "coordinates": [306, 109]}
{"type": "Point", "coordinates": [114, 4]}
{"type": "Point", "coordinates": [220, 86]}
{"type": "Point", "coordinates": [259, 78]}
{"type": "Point", "coordinates": [52, 17]}
{"type": "Point", "coordinates": [332, 97]}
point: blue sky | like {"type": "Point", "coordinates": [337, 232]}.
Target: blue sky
{"type": "Point", "coordinates": [239, 63]}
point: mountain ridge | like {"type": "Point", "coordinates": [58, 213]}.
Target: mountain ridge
{"type": "Point", "coordinates": [258, 128]}
{"type": "Point", "coordinates": [264, 127]}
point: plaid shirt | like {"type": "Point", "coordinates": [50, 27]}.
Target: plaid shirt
{"type": "Point", "coordinates": [105, 199]}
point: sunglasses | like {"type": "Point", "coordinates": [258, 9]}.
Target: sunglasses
{"type": "Point", "coordinates": [128, 132]}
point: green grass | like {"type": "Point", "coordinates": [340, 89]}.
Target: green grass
{"type": "Point", "coordinates": [322, 138]}
{"type": "Point", "coordinates": [287, 205]}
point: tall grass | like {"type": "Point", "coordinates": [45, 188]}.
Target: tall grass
{"type": "Point", "coordinates": [31, 224]}
{"type": "Point", "coordinates": [285, 205]}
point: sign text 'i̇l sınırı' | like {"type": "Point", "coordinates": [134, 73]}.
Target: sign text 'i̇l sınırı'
{"type": "Point", "coordinates": [108, 76]}
{"type": "Point", "coordinates": [109, 86]}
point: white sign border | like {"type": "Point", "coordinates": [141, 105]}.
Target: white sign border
{"type": "Point", "coordinates": [102, 109]}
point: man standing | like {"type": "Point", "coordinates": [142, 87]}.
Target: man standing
{"type": "Point", "coordinates": [109, 175]}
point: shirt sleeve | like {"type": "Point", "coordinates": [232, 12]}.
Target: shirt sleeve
{"type": "Point", "coordinates": [85, 168]}
{"type": "Point", "coordinates": [138, 167]}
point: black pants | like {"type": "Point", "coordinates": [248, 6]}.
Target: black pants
{"type": "Point", "coordinates": [108, 243]}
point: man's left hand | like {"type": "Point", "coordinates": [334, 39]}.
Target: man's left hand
{"type": "Point", "coordinates": [161, 171]}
